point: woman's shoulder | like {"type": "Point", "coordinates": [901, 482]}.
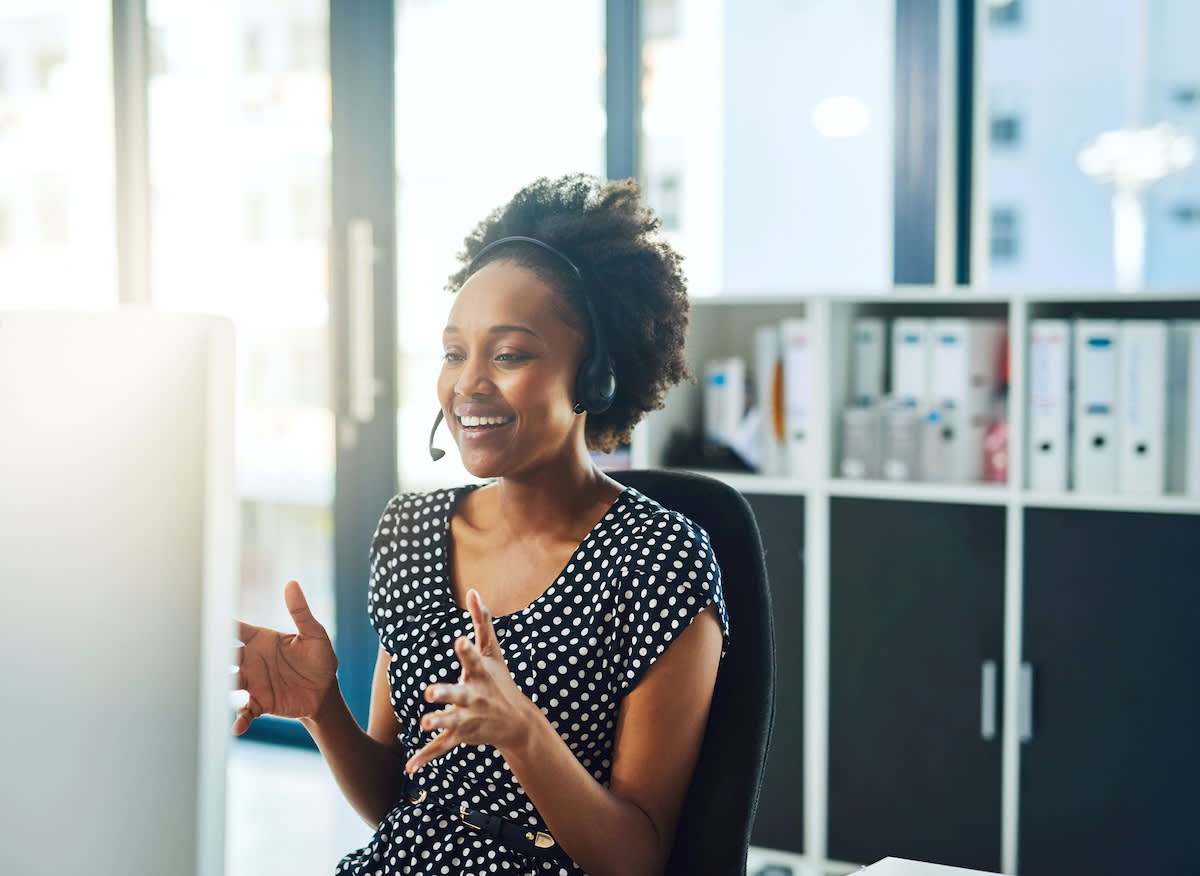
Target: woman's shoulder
{"type": "Point", "coordinates": [405, 510]}
{"type": "Point", "coordinates": [647, 517]}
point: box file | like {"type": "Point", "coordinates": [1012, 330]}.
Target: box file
{"type": "Point", "coordinates": [1192, 453]}
{"type": "Point", "coordinates": [964, 376]}
{"type": "Point", "coordinates": [1094, 462]}
{"type": "Point", "coordinates": [1183, 407]}
{"type": "Point", "coordinates": [912, 360]}
{"type": "Point", "coordinates": [724, 399]}
{"type": "Point", "coordinates": [768, 372]}
{"type": "Point", "coordinates": [869, 345]}
{"type": "Point", "coordinates": [798, 392]}
{"type": "Point", "coordinates": [1141, 406]}
{"type": "Point", "coordinates": [1049, 403]}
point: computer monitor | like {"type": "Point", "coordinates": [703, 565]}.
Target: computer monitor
{"type": "Point", "coordinates": [117, 583]}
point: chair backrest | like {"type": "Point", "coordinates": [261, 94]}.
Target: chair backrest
{"type": "Point", "coordinates": [713, 836]}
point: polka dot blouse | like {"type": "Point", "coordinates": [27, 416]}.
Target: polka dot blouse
{"type": "Point", "coordinates": [632, 586]}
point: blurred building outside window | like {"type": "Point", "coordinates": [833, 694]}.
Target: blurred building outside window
{"type": "Point", "coordinates": [57, 218]}
{"type": "Point", "coordinates": [239, 125]}
{"type": "Point", "coordinates": [520, 96]}
{"type": "Point", "coordinates": [1072, 78]}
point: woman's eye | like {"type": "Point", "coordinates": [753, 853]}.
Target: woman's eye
{"type": "Point", "coordinates": [511, 357]}
{"type": "Point", "coordinates": [452, 356]}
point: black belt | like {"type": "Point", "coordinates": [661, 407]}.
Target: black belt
{"type": "Point", "coordinates": [520, 838]}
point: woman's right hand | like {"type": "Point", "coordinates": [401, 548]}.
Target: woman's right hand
{"type": "Point", "coordinates": [286, 674]}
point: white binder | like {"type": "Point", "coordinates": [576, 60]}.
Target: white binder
{"type": "Point", "coordinates": [724, 399]}
{"type": "Point", "coordinates": [1192, 468]}
{"type": "Point", "coordinates": [1049, 403]}
{"type": "Point", "coordinates": [965, 373]}
{"type": "Point", "coordinates": [798, 393]}
{"type": "Point", "coordinates": [1142, 406]}
{"type": "Point", "coordinates": [1183, 408]}
{"type": "Point", "coordinates": [1095, 446]}
{"type": "Point", "coordinates": [869, 361]}
{"type": "Point", "coordinates": [768, 374]}
{"type": "Point", "coordinates": [912, 360]}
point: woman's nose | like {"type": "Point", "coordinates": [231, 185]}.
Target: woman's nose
{"type": "Point", "coordinates": [473, 379]}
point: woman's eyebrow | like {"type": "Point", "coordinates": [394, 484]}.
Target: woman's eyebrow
{"type": "Point", "coordinates": [495, 330]}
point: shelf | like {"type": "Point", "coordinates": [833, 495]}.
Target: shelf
{"type": "Point", "coordinates": [1110, 502]}
{"type": "Point", "coordinates": [914, 491]}
{"type": "Point", "coordinates": [749, 482]}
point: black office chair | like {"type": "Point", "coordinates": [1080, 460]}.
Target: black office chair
{"type": "Point", "coordinates": [713, 836]}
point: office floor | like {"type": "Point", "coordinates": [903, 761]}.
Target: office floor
{"type": "Point", "coordinates": [286, 815]}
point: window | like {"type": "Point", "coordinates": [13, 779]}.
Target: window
{"type": "Point", "coordinates": [252, 50]}
{"type": "Point", "coordinates": [308, 47]}
{"type": "Point", "coordinates": [225, 241]}
{"type": "Point", "coordinates": [1006, 131]}
{"type": "Point", "coordinates": [1005, 13]}
{"type": "Point", "coordinates": [48, 63]}
{"type": "Point", "coordinates": [57, 215]}
{"type": "Point", "coordinates": [1186, 214]}
{"type": "Point", "coordinates": [1188, 96]}
{"type": "Point", "coordinates": [1005, 235]}
{"type": "Point", "coordinates": [52, 220]}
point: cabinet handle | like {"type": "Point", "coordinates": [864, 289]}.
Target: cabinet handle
{"type": "Point", "coordinates": [360, 287]}
{"type": "Point", "coordinates": [987, 701]}
{"type": "Point", "coordinates": [1025, 703]}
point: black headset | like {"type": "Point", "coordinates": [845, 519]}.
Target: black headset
{"type": "Point", "coordinates": [595, 382]}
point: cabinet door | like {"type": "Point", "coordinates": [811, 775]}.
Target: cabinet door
{"type": "Point", "coordinates": [916, 609]}
{"type": "Point", "coordinates": [1110, 779]}
{"type": "Point", "coordinates": [780, 820]}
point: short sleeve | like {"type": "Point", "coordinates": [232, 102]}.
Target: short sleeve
{"type": "Point", "coordinates": [671, 578]}
{"type": "Point", "coordinates": [383, 599]}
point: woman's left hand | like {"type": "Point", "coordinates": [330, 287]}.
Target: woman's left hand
{"type": "Point", "coordinates": [486, 707]}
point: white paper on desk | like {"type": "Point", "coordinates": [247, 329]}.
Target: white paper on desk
{"type": "Point", "coordinates": [905, 867]}
{"type": "Point", "coordinates": [1049, 403]}
{"type": "Point", "coordinates": [1095, 407]}
{"type": "Point", "coordinates": [1142, 407]}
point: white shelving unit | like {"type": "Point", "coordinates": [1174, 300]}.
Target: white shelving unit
{"type": "Point", "coordinates": [724, 326]}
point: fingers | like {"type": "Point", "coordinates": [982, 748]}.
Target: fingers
{"type": "Point", "coordinates": [246, 714]}
{"type": "Point", "coordinates": [435, 749]}
{"type": "Point", "coordinates": [297, 607]}
{"type": "Point", "coordinates": [470, 658]}
{"type": "Point", "coordinates": [485, 632]}
{"type": "Point", "coordinates": [450, 694]}
{"type": "Point", "coordinates": [246, 631]}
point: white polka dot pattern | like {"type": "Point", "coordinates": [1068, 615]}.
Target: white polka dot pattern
{"type": "Point", "coordinates": [632, 586]}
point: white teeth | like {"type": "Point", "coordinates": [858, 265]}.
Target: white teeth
{"type": "Point", "coordinates": [484, 421]}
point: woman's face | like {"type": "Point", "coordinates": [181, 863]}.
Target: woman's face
{"type": "Point", "coordinates": [507, 383]}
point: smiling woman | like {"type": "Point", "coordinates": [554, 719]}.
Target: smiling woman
{"type": "Point", "coordinates": [538, 633]}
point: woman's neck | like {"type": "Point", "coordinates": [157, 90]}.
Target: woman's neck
{"type": "Point", "coordinates": [551, 501]}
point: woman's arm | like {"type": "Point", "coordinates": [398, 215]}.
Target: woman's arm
{"type": "Point", "coordinates": [294, 675]}
{"type": "Point", "coordinates": [368, 767]}
{"type": "Point", "coordinates": [626, 828]}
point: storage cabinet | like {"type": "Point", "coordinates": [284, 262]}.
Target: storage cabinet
{"type": "Point", "coordinates": [1110, 776]}
{"type": "Point", "coordinates": [780, 822]}
{"type": "Point", "coordinates": [916, 639]}
{"type": "Point", "coordinates": [981, 675]}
